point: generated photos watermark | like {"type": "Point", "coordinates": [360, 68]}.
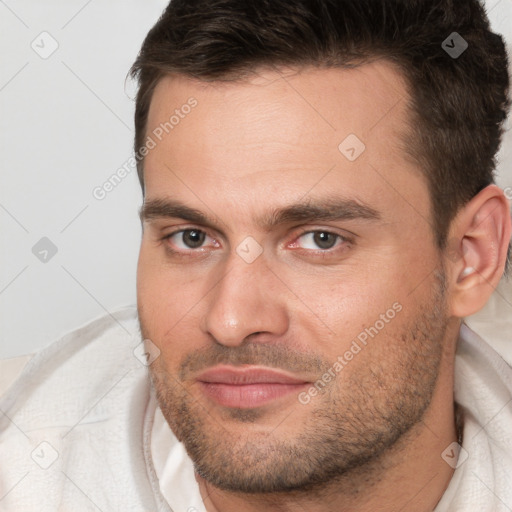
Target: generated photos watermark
{"type": "Point", "coordinates": [100, 192]}
{"type": "Point", "coordinates": [356, 346]}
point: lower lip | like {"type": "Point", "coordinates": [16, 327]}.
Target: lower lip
{"type": "Point", "coordinates": [248, 396]}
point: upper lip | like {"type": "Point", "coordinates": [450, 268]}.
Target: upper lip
{"type": "Point", "coordinates": [244, 375]}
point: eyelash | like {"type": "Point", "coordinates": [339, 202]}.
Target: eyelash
{"type": "Point", "coordinates": [341, 242]}
{"type": "Point", "coordinates": [182, 252]}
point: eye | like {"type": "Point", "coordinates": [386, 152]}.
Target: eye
{"type": "Point", "coordinates": [323, 240]}
{"type": "Point", "coordinates": [186, 239]}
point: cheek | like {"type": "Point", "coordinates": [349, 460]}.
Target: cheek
{"type": "Point", "coordinates": [349, 300]}
{"type": "Point", "coordinates": [158, 284]}
{"type": "Point", "coordinates": [157, 298]}
{"type": "Point", "coordinates": [168, 302]}
{"type": "Point", "coordinates": [364, 308]}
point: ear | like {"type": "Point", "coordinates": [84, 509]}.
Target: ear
{"type": "Point", "coordinates": [477, 250]}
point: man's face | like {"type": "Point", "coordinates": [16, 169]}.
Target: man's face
{"type": "Point", "coordinates": [300, 317]}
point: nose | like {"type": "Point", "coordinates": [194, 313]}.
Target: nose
{"type": "Point", "coordinates": [248, 300]}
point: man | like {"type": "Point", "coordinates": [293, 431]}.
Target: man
{"type": "Point", "coordinates": [319, 216]}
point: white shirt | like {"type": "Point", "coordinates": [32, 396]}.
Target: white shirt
{"type": "Point", "coordinates": [80, 430]}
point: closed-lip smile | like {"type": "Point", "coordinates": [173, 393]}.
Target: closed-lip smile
{"type": "Point", "coordinates": [246, 387]}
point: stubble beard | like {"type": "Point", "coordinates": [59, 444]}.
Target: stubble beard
{"type": "Point", "coordinates": [350, 426]}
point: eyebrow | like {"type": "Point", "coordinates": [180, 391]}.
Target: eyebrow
{"type": "Point", "coordinates": [155, 209]}
{"type": "Point", "coordinates": [325, 209]}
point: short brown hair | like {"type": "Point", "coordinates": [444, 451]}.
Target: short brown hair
{"type": "Point", "coordinates": [458, 103]}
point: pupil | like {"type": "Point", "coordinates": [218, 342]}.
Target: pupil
{"type": "Point", "coordinates": [193, 238]}
{"type": "Point", "coordinates": [324, 240]}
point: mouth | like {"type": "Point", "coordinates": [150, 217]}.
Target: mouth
{"type": "Point", "coordinates": [247, 387]}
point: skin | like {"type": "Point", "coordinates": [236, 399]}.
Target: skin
{"type": "Point", "coordinates": [372, 440]}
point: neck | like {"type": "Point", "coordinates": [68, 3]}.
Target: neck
{"type": "Point", "coordinates": [411, 475]}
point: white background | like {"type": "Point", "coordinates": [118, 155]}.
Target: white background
{"type": "Point", "coordinates": [65, 128]}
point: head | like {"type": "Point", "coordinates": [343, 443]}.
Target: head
{"type": "Point", "coordinates": [313, 209]}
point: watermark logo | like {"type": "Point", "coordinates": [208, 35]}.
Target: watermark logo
{"type": "Point", "coordinates": [352, 147]}
{"type": "Point", "coordinates": [45, 45]}
{"type": "Point", "coordinates": [455, 455]}
{"type": "Point", "coordinates": [44, 455]}
{"type": "Point", "coordinates": [249, 249]}
{"type": "Point", "coordinates": [454, 45]}
{"type": "Point", "coordinates": [146, 352]}
{"type": "Point", "coordinates": [44, 250]}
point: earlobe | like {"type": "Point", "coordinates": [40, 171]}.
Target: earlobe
{"type": "Point", "coordinates": [481, 232]}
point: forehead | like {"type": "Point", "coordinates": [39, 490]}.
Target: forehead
{"type": "Point", "coordinates": [325, 99]}
{"type": "Point", "coordinates": [282, 133]}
